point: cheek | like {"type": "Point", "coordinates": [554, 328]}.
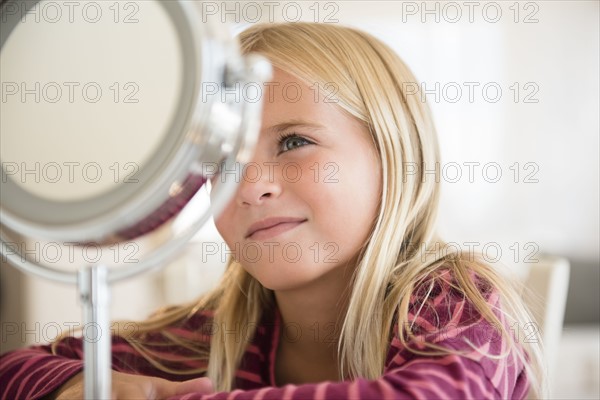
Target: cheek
{"type": "Point", "coordinates": [224, 223]}
{"type": "Point", "coordinates": [345, 202]}
{"type": "Point", "coordinates": [351, 186]}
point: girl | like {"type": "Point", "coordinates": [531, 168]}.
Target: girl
{"type": "Point", "coordinates": [338, 287]}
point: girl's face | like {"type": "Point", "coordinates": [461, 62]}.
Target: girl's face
{"type": "Point", "coordinates": [309, 197]}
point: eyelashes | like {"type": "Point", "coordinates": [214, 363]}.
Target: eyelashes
{"type": "Point", "coordinates": [291, 141]}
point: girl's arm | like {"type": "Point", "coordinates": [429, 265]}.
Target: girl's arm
{"type": "Point", "coordinates": [34, 372]}
{"type": "Point", "coordinates": [478, 362]}
{"type": "Point", "coordinates": [38, 372]}
{"type": "Point", "coordinates": [442, 377]}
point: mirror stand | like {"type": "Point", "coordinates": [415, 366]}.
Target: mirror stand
{"type": "Point", "coordinates": [94, 292]}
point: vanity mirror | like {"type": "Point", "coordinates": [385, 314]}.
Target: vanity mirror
{"type": "Point", "coordinates": [117, 119]}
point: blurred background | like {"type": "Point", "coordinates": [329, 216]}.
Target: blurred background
{"type": "Point", "coordinates": [514, 89]}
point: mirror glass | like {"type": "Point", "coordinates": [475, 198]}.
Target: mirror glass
{"type": "Point", "coordinates": [108, 135]}
{"type": "Point", "coordinates": [88, 94]}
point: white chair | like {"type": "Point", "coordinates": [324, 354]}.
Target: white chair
{"type": "Point", "coordinates": [548, 282]}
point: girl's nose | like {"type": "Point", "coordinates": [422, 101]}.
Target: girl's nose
{"type": "Point", "coordinates": [259, 182]}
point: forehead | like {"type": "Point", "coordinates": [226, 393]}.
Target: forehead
{"type": "Point", "coordinates": [288, 88]}
{"type": "Point", "coordinates": [287, 97]}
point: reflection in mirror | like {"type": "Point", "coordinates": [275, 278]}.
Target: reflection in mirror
{"type": "Point", "coordinates": [107, 134]}
{"type": "Point", "coordinates": [82, 113]}
{"type": "Point", "coordinates": [106, 131]}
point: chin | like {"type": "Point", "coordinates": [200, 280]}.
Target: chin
{"type": "Point", "coordinates": [280, 280]}
{"type": "Point", "coordinates": [277, 285]}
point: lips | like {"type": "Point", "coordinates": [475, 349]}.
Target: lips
{"type": "Point", "coordinates": [270, 227]}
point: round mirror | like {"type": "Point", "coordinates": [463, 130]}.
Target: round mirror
{"type": "Point", "coordinates": [112, 120]}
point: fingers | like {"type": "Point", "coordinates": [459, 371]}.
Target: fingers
{"type": "Point", "coordinates": [128, 387]}
{"type": "Point", "coordinates": [198, 385]}
{"type": "Point", "coordinates": [163, 389]}
{"type": "Point", "coordinates": [141, 388]}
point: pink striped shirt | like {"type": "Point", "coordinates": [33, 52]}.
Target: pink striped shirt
{"type": "Point", "coordinates": [438, 315]}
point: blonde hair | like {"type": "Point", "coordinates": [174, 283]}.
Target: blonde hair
{"type": "Point", "coordinates": [369, 79]}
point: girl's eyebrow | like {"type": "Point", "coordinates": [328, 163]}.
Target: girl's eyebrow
{"type": "Point", "coordinates": [284, 126]}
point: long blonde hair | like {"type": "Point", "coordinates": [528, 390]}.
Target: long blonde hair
{"type": "Point", "coordinates": [368, 82]}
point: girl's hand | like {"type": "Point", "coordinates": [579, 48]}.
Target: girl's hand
{"type": "Point", "coordinates": [127, 386]}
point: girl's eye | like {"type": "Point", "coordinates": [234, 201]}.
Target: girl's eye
{"type": "Point", "coordinates": [291, 142]}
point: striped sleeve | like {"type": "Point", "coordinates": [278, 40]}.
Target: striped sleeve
{"type": "Point", "coordinates": [35, 372]}
{"type": "Point", "coordinates": [478, 365]}
{"type": "Point", "coordinates": [448, 377]}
